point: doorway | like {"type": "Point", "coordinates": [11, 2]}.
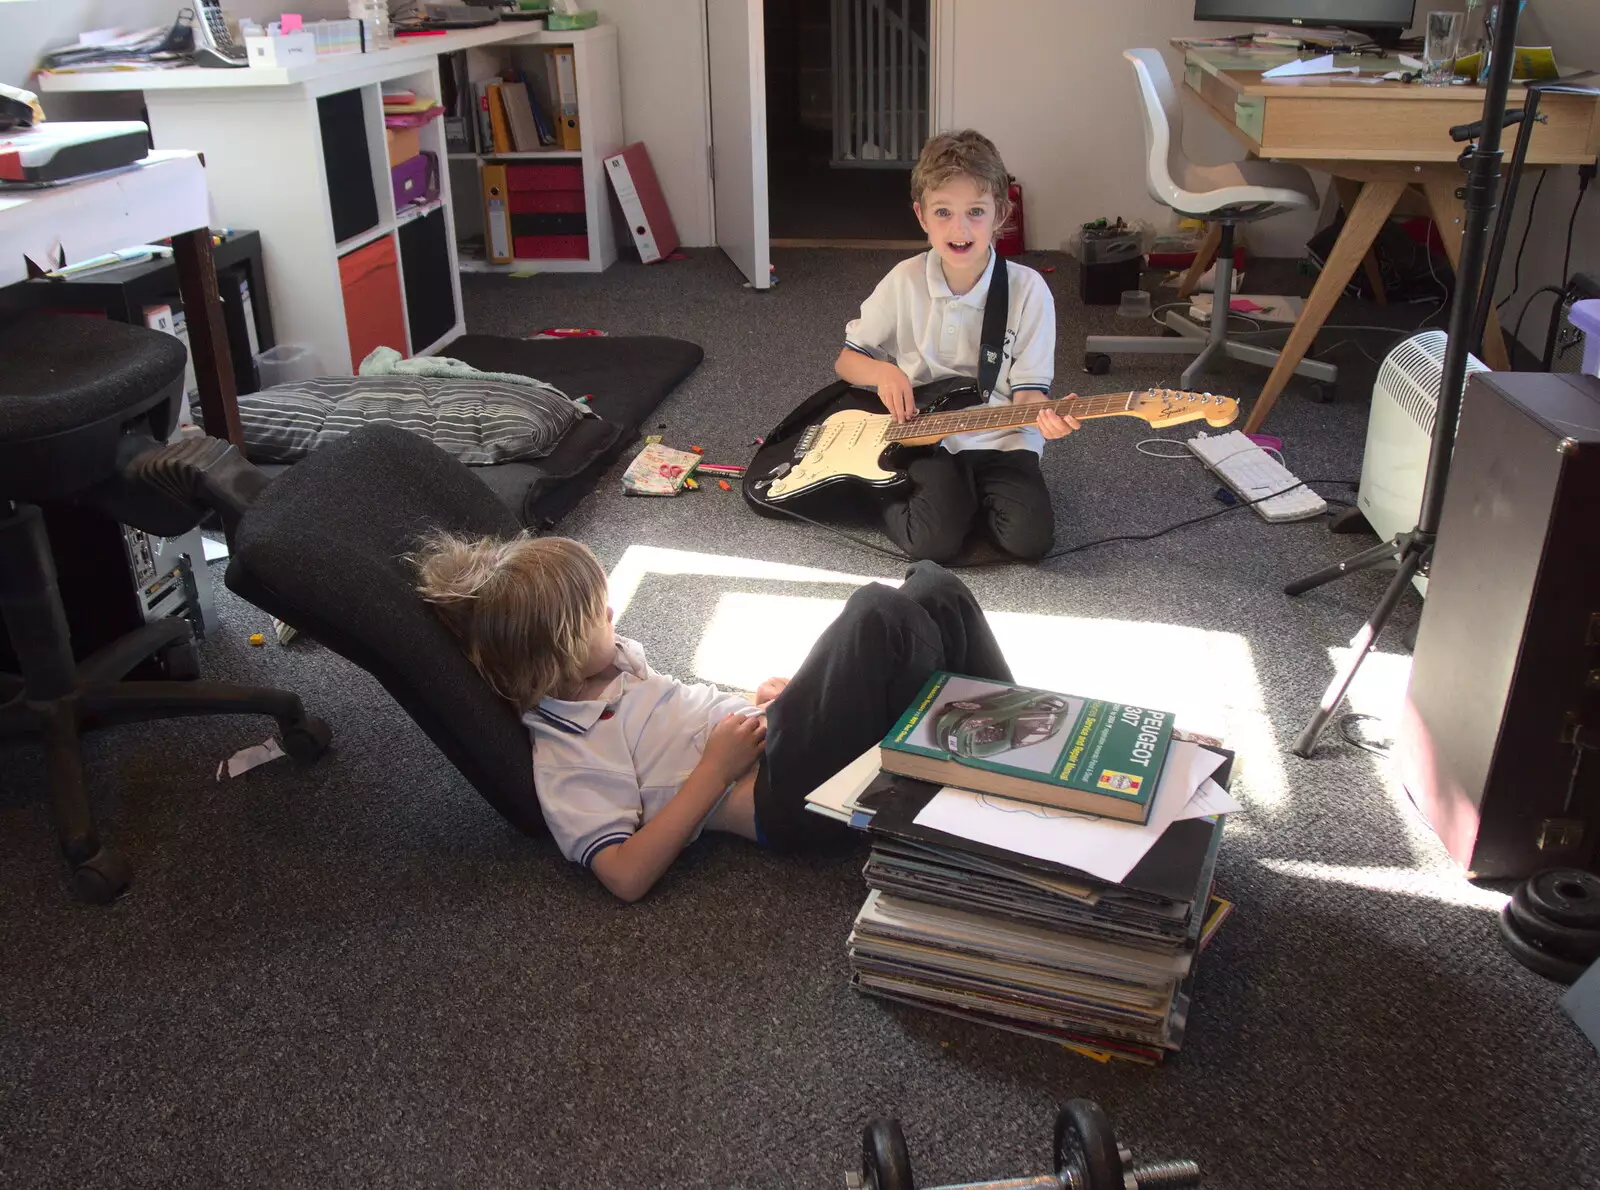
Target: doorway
{"type": "Point", "coordinates": [847, 96]}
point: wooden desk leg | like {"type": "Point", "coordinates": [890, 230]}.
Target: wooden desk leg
{"type": "Point", "coordinates": [1349, 190]}
{"type": "Point", "coordinates": [1361, 227]}
{"type": "Point", "coordinates": [208, 334]}
{"type": "Point", "coordinates": [1202, 260]}
{"type": "Point", "coordinates": [1449, 214]}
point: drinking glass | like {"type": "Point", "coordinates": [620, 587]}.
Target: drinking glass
{"type": "Point", "coordinates": [1443, 33]}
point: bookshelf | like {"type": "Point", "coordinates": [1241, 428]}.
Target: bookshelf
{"type": "Point", "coordinates": [299, 154]}
{"type": "Point", "coordinates": [599, 85]}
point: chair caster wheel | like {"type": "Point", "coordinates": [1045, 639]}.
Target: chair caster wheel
{"type": "Point", "coordinates": [101, 878]}
{"type": "Point", "coordinates": [180, 662]}
{"type": "Point", "coordinates": [1096, 364]}
{"type": "Point", "coordinates": [1319, 393]}
{"type": "Point", "coordinates": [307, 741]}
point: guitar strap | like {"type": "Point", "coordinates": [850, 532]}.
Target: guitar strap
{"type": "Point", "coordinates": [992, 338]}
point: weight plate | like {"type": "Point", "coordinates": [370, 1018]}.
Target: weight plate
{"type": "Point", "coordinates": [885, 1160]}
{"type": "Point", "coordinates": [1087, 1147]}
{"type": "Point", "coordinates": [1567, 896]}
{"type": "Point", "coordinates": [1533, 956]}
{"type": "Point", "coordinates": [1582, 946]}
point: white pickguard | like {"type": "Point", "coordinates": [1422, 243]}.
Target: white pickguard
{"type": "Point", "coordinates": [848, 445]}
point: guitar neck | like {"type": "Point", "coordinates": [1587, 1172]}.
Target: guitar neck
{"type": "Point", "coordinates": [931, 427]}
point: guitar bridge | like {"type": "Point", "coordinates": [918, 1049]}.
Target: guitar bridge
{"type": "Point", "coordinates": [807, 441]}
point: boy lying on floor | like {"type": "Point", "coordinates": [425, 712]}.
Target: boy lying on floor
{"type": "Point", "coordinates": [630, 765]}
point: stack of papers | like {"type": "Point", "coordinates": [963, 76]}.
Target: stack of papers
{"type": "Point", "coordinates": [1082, 930]}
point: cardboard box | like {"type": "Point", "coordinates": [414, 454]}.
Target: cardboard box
{"type": "Point", "coordinates": [404, 144]}
{"type": "Point", "coordinates": [287, 49]}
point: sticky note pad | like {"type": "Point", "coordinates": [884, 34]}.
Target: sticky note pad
{"type": "Point", "coordinates": [290, 22]}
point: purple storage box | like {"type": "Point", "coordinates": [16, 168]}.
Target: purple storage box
{"type": "Point", "coordinates": [415, 180]}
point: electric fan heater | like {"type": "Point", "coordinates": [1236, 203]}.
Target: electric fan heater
{"type": "Point", "coordinates": [1399, 433]}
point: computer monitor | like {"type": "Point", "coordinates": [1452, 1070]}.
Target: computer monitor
{"type": "Point", "coordinates": [1382, 20]}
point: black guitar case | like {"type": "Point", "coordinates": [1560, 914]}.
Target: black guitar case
{"type": "Point", "coordinates": [781, 448]}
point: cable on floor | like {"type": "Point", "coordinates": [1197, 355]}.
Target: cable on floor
{"type": "Point", "coordinates": [1347, 724]}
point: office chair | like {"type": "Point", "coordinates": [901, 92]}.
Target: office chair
{"type": "Point", "coordinates": [81, 399]}
{"type": "Point", "coordinates": [1230, 194]}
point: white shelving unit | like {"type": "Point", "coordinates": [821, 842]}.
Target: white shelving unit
{"type": "Point", "coordinates": [599, 80]}
{"type": "Point", "coordinates": [260, 131]}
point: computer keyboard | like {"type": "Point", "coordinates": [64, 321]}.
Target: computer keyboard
{"type": "Point", "coordinates": [1252, 473]}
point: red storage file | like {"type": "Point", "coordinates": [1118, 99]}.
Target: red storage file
{"type": "Point", "coordinates": [547, 202]}
{"type": "Point", "coordinates": [544, 177]}
{"type": "Point", "coordinates": [643, 205]}
{"type": "Point", "coordinates": [552, 247]}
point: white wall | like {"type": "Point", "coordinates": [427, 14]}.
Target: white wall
{"type": "Point", "coordinates": [662, 44]}
{"type": "Point", "coordinates": [1046, 80]}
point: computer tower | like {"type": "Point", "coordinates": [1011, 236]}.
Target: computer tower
{"type": "Point", "coordinates": [1499, 742]}
{"type": "Point", "coordinates": [112, 578]}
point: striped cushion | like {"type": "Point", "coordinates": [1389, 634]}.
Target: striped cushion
{"type": "Point", "coordinates": [476, 421]}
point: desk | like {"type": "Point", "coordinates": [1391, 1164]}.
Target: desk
{"type": "Point", "coordinates": [162, 196]}
{"type": "Point", "coordinates": [1377, 140]}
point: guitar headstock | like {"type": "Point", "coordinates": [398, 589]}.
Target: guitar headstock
{"type": "Point", "coordinates": [1170, 407]}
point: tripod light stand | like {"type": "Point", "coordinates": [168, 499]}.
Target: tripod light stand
{"type": "Point", "coordinates": [1414, 549]}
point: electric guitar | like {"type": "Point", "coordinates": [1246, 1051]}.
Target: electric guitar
{"type": "Point", "coordinates": [856, 446]}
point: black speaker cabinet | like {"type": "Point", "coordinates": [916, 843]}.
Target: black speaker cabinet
{"type": "Point", "coordinates": [1499, 744]}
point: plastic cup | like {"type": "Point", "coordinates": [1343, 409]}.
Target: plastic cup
{"type": "Point", "coordinates": [1135, 304]}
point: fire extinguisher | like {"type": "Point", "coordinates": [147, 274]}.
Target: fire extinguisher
{"type": "Point", "coordinates": [1010, 240]}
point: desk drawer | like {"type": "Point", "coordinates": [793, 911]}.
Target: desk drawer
{"type": "Point", "coordinates": [1307, 127]}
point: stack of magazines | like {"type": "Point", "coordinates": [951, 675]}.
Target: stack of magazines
{"type": "Point", "coordinates": [1046, 867]}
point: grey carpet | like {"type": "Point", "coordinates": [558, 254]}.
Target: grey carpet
{"type": "Point", "coordinates": [355, 974]}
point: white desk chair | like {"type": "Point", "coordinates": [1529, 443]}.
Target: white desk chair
{"type": "Point", "coordinates": [1238, 192]}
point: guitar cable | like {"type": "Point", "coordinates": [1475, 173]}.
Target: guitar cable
{"type": "Point", "coordinates": [898, 556]}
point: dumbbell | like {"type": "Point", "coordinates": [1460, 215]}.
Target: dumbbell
{"type": "Point", "coordinates": [1551, 925]}
{"type": "Point", "coordinates": [1087, 1157]}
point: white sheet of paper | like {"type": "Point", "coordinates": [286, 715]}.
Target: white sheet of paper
{"type": "Point", "coordinates": [1102, 847]}
{"type": "Point", "coordinates": [1302, 67]}
{"type": "Point", "coordinates": [836, 796]}
{"type": "Point", "coordinates": [1210, 799]}
{"type": "Point", "coordinates": [246, 759]}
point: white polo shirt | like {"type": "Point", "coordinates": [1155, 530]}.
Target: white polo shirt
{"type": "Point", "coordinates": [604, 767]}
{"type": "Point", "coordinates": [914, 321]}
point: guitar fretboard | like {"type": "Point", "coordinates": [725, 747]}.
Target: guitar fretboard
{"type": "Point", "coordinates": [1002, 417]}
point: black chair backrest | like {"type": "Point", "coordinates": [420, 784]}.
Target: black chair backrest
{"type": "Point", "coordinates": [323, 549]}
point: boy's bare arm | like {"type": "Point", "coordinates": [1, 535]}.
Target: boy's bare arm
{"type": "Point", "coordinates": [631, 868]}
{"type": "Point", "coordinates": [893, 385]}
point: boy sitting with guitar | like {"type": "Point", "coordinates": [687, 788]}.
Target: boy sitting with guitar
{"type": "Point", "coordinates": [924, 322]}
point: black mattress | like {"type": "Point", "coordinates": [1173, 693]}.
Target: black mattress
{"type": "Point", "coordinates": [624, 378]}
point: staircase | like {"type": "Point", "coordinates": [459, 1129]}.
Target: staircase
{"type": "Point", "coordinates": [881, 82]}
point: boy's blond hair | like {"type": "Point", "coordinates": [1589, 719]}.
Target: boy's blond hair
{"type": "Point", "coordinates": [522, 608]}
{"type": "Point", "coordinates": [969, 154]}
